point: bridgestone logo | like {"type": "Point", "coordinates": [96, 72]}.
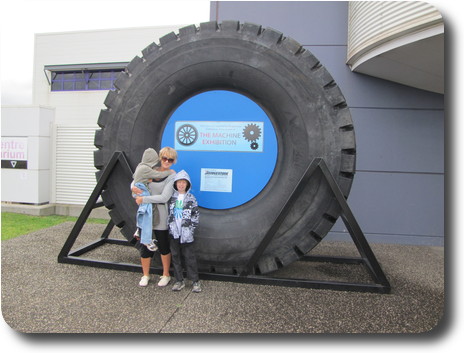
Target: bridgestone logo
{"type": "Point", "coordinates": [217, 173]}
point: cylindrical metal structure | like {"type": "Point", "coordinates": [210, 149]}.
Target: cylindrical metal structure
{"type": "Point", "coordinates": [372, 24]}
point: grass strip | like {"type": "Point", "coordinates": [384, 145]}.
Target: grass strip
{"type": "Point", "coordinates": [16, 224]}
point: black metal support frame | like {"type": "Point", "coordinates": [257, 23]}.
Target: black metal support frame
{"type": "Point", "coordinates": [65, 255]}
{"type": "Point", "coordinates": [368, 259]}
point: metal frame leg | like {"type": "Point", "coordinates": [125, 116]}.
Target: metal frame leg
{"type": "Point", "coordinates": [65, 255]}
{"type": "Point", "coordinates": [367, 256]}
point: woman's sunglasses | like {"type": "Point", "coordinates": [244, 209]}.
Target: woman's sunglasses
{"type": "Point", "coordinates": [166, 159]}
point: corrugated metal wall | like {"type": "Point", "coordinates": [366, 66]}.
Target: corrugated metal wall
{"type": "Point", "coordinates": [74, 169]}
{"type": "Point", "coordinates": [375, 22]}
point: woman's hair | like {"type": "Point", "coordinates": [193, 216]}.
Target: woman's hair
{"type": "Point", "coordinates": [168, 152]}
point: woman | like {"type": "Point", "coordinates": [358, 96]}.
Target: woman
{"type": "Point", "coordinates": [161, 191]}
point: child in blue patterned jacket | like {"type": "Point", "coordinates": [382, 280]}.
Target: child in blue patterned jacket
{"type": "Point", "coordinates": [183, 219]}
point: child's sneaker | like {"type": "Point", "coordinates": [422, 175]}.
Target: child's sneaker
{"type": "Point", "coordinates": [137, 234]}
{"type": "Point", "coordinates": [152, 246]}
{"type": "Point", "coordinates": [196, 287]}
{"type": "Point", "coordinates": [144, 281]}
{"type": "Point", "coordinates": [178, 286]}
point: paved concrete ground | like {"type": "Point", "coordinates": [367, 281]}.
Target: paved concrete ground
{"type": "Point", "coordinates": [40, 295]}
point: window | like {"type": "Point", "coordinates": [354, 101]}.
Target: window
{"type": "Point", "coordinates": [84, 80]}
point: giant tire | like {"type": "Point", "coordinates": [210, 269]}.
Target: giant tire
{"type": "Point", "coordinates": [307, 108]}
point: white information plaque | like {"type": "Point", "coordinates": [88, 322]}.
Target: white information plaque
{"type": "Point", "coordinates": [216, 180]}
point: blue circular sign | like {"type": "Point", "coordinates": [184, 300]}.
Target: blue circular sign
{"type": "Point", "coordinates": [226, 143]}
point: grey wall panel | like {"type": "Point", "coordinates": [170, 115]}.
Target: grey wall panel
{"type": "Point", "coordinates": [315, 23]}
{"type": "Point", "coordinates": [397, 140]}
{"type": "Point", "coordinates": [383, 238]}
{"type": "Point", "coordinates": [398, 204]}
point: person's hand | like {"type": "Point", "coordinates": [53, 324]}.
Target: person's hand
{"type": "Point", "coordinates": [136, 190]}
{"type": "Point", "coordinates": [139, 200]}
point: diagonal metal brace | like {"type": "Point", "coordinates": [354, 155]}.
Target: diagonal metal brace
{"type": "Point", "coordinates": [367, 256]}
{"type": "Point", "coordinates": [117, 158]}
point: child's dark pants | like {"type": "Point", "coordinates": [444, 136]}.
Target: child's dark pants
{"type": "Point", "coordinates": [187, 252]}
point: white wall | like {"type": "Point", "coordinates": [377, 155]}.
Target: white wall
{"type": "Point", "coordinates": [76, 112]}
{"type": "Point", "coordinates": [84, 47]}
{"type": "Point", "coordinates": [31, 185]}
